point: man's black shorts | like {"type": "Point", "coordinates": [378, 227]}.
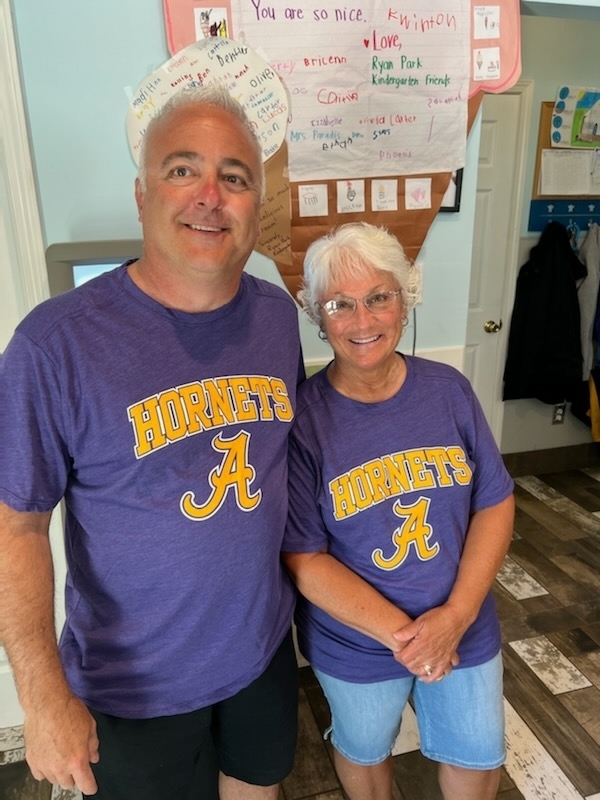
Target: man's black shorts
{"type": "Point", "coordinates": [250, 736]}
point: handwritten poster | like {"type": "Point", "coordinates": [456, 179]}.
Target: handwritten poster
{"type": "Point", "coordinates": [374, 91]}
{"type": "Point", "coordinates": [247, 76]}
{"type": "Point", "coordinates": [496, 25]}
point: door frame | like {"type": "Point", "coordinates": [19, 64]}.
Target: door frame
{"type": "Point", "coordinates": [30, 270]}
{"type": "Point", "coordinates": [523, 88]}
{"type": "Point", "coordinates": [26, 274]}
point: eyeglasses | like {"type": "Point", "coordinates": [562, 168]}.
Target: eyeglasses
{"type": "Point", "coordinates": [376, 303]}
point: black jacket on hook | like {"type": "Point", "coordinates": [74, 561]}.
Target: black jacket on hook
{"type": "Point", "coordinates": [544, 358]}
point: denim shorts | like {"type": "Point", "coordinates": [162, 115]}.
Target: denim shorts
{"type": "Point", "coordinates": [461, 719]}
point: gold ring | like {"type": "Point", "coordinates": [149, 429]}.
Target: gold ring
{"type": "Point", "coordinates": [427, 669]}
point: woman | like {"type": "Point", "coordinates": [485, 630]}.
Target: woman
{"type": "Point", "coordinates": [401, 513]}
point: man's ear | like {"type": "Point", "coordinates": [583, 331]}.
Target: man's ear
{"type": "Point", "coordinates": [139, 197]}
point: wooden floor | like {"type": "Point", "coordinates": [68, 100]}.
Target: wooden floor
{"type": "Point", "coordinates": [548, 596]}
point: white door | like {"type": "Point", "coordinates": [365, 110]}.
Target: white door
{"type": "Point", "coordinates": [504, 132]}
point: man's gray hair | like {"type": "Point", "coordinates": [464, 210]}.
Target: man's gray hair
{"type": "Point", "coordinates": [215, 94]}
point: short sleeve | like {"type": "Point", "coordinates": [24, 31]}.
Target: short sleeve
{"type": "Point", "coordinates": [492, 482]}
{"type": "Point", "coordinates": [305, 530]}
{"type": "Point", "coordinates": [34, 460]}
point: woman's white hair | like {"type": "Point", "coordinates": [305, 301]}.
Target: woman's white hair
{"type": "Point", "coordinates": [215, 94]}
{"type": "Point", "coordinates": [352, 251]}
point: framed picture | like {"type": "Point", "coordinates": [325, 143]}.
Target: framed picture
{"type": "Point", "coordinates": [451, 200]}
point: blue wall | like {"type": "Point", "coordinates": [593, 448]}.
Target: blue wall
{"type": "Point", "coordinates": [80, 61]}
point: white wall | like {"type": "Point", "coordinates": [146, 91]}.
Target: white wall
{"type": "Point", "coordinates": [569, 9]}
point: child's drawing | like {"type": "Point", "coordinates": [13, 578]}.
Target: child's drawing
{"type": "Point", "coordinates": [210, 22]}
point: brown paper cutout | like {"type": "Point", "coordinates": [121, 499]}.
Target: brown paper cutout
{"type": "Point", "coordinates": [285, 235]}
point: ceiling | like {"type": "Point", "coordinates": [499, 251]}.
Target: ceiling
{"type": "Point", "coordinates": [581, 9]}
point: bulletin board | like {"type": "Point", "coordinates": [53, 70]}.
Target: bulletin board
{"type": "Point", "coordinates": [575, 212]}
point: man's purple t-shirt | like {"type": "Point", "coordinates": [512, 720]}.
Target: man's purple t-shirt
{"type": "Point", "coordinates": [166, 433]}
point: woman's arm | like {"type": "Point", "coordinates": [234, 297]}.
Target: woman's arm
{"type": "Point", "coordinates": [488, 540]}
{"type": "Point", "coordinates": [346, 596]}
{"type": "Point", "coordinates": [435, 635]}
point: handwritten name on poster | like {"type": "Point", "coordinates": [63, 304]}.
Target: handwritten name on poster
{"type": "Point", "coordinates": [374, 90]}
{"type": "Point", "coordinates": [249, 79]}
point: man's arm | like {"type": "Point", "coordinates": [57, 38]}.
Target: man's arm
{"type": "Point", "coordinates": [60, 733]}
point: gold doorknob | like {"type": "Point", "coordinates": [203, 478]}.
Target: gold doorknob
{"type": "Point", "coordinates": [492, 327]}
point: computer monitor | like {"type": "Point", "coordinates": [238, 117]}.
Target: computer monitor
{"type": "Point", "coordinates": [70, 264]}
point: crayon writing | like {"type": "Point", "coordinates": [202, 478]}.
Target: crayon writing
{"type": "Point", "coordinates": [422, 24]}
{"type": "Point", "coordinates": [344, 14]}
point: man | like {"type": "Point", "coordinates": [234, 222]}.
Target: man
{"type": "Point", "coordinates": [156, 400]}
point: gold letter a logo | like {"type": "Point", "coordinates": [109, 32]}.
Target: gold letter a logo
{"type": "Point", "coordinates": [234, 472]}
